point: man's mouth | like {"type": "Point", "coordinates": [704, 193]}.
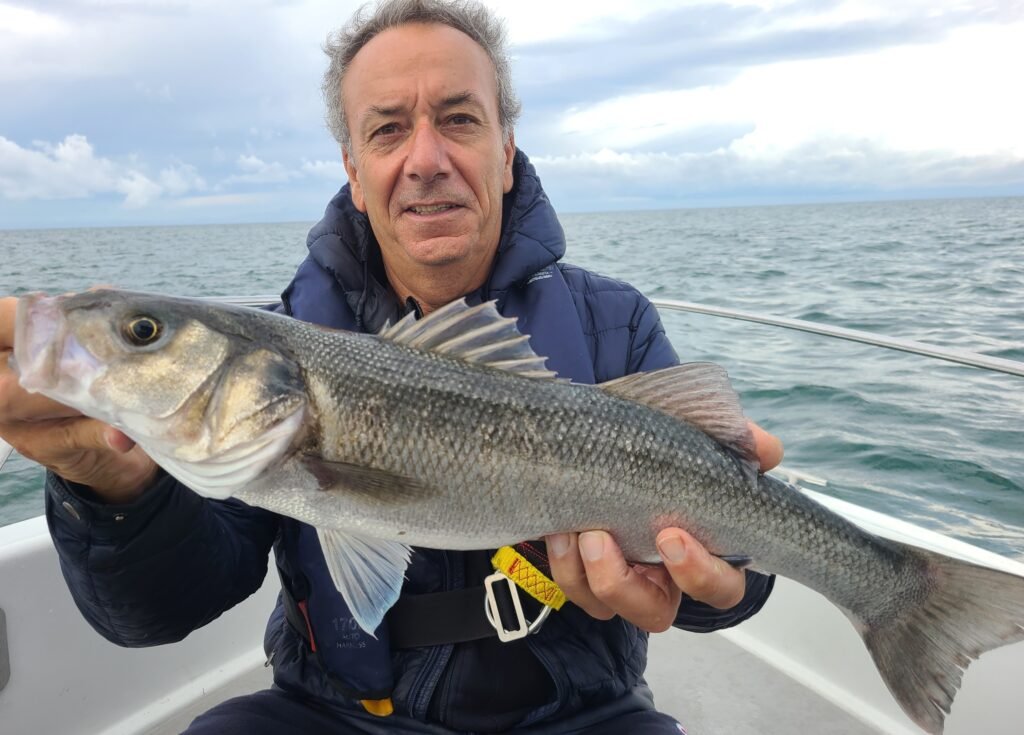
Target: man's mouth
{"type": "Point", "coordinates": [431, 208]}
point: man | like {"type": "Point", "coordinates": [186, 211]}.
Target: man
{"type": "Point", "coordinates": [439, 205]}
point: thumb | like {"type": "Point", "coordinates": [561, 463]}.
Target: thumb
{"type": "Point", "coordinates": [8, 308]}
{"type": "Point", "coordinates": [698, 573]}
{"type": "Point", "coordinates": [86, 434]}
{"type": "Point", "coordinates": [117, 440]}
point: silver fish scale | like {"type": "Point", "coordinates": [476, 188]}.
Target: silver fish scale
{"type": "Point", "coordinates": [497, 458]}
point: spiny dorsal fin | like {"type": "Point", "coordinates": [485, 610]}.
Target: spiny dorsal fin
{"type": "Point", "coordinates": [698, 393]}
{"type": "Point", "coordinates": [477, 334]}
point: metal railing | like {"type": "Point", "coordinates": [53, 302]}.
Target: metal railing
{"type": "Point", "coordinates": [949, 354]}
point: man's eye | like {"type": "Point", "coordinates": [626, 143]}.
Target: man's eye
{"type": "Point", "coordinates": [389, 129]}
{"type": "Point", "coordinates": [460, 120]}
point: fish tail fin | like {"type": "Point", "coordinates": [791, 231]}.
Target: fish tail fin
{"type": "Point", "coordinates": [963, 610]}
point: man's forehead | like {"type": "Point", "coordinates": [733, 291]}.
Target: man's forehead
{"type": "Point", "coordinates": [436, 59]}
{"type": "Point", "coordinates": [394, 104]}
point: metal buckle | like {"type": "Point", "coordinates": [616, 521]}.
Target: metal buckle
{"type": "Point", "coordinates": [524, 628]}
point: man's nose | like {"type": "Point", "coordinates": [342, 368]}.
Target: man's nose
{"type": "Point", "coordinates": [428, 154]}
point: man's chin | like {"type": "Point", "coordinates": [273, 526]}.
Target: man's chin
{"type": "Point", "coordinates": [438, 252]}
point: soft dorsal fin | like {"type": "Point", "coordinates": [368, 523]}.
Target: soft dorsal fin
{"type": "Point", "coordinates": [698, 393]}
{"type": "Point", "coordinates": [477, 334]}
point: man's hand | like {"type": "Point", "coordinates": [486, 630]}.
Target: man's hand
{"type": "Point", "coordinates": [77, 448]}
{"type": "Point", "coordinates": [590, 569]}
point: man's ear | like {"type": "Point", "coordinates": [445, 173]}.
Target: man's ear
{"type": "Point", "coordinates": [353, 179]}
{"type": "Point", "coordinates": [510, 154]}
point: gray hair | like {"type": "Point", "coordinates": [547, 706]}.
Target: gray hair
{"type": "Point", "coordinates": [468, 16]}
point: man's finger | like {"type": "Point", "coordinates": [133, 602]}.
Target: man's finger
{"type": "Point", "coordinates": [19, 405]}
{"type": "Point", "coordinates": [88, 434]}
{"type": "Point", "coordinates": [639, 598]}
{"type": "Point", "coordinates": [57, 443]}
{"type": "Point", "coordinates": [8, 306]}
{"type": "Point", "coordinates": [569, 573]}
{"type": "Point", "coordinates": [117, 440]}
{"type": "Point", "coordinates": [768, 447]}
{"type": "Point", "coordinates": [699, 574]}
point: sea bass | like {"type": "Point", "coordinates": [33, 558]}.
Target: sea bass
{"type": "Point", "coordinates": [448, 432]}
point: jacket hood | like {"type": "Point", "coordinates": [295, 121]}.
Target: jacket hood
{"type": "Point", "coordinates": [343, 244]}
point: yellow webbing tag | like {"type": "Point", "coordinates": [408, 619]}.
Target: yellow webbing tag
{"type": "Point", "coordinates": [518, 568]}
{"type": "Point", "coordinates": [379, 707]}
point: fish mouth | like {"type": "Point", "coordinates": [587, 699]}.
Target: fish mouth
{"type": "Point", "coordinates": [47, 358]}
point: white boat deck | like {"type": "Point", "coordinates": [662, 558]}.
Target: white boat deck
{"type": "Point", "coordinates": [715, 687]}
{"type": "Point", "coordinates": [707, 682]}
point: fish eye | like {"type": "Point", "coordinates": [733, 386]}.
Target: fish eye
{"type": "Point", "coordinates": [143, 330]}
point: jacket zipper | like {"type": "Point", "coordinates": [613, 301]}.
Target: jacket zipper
{"type": "Point", "coordinates": [434, 667]}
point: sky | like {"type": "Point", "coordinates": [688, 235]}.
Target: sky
{"type": "Point", "coordinates": [120, 112]}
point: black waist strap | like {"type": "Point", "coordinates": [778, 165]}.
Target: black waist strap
{"type": "Point", "coordinates": [433, 619]}
{"type": "Point", "coordinates": [439, 618]}
{"type": "Point", "coordinates": [450, 617]}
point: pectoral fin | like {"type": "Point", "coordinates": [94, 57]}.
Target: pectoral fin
{"type": "Point", "coordinates": [372, 485]}
{"type": "Point", "coordinates": [368, 573]}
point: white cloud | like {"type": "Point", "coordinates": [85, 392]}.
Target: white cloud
{"type": "Point", "coordinates": [956, 98]}
{"type": "Point", "coordinates": [66, 170]}
{"type": "Point", "coordinates": [568, 19]}
{"type": "Point", "coordinates": [330, 170]}
{"type": "Point", "coordinates": [595, 18]}
{"type": "Point", "coordinates": [181, 178]}
{"type": "Point", "coordinates": [25, 22]}
{"type": "Point", "coordinates": [137, 189]}
{"type": "Point", "coordinates": [257, 171]}
{"type": "Point", "coordinates": [251, 164]}
{"type": "Point", "coordinates": [71, 169]}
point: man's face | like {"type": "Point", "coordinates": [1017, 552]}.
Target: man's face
{"type": "Point", "coordinates": [428, 162]}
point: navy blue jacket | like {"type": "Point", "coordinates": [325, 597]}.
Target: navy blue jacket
{"type": "Point", "coordinates": [153, 571]}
